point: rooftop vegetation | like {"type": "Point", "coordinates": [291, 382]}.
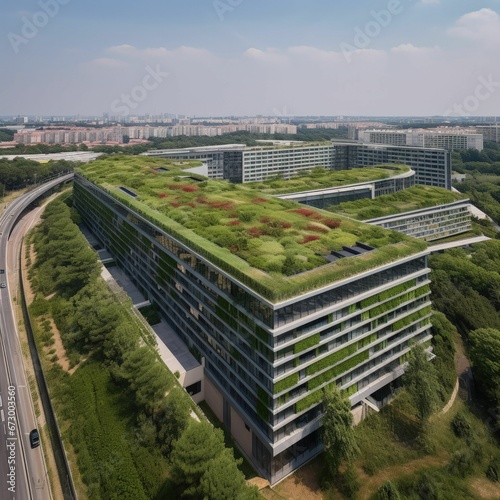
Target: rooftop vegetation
{"type": "Point", "coordinates": [275, 247]}
{"type": "Point", "coordinates": [414, 198]}
{"type": "Point", "coordinates": [320, 178]}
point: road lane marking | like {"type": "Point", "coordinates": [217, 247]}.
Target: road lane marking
{"type": "Point", "coordinates": [1, 401]}
{"type": "Point", "coordinates": [2, 414]}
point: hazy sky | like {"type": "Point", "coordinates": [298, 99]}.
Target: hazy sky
{"type": "Point", "coordinates": [271, 57]}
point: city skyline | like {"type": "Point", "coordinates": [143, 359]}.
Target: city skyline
{"type": "Point", "coordinates": [235, 57]}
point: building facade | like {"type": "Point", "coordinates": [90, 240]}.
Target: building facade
{"type": "Point", "coordinates": [322, 198]}
{"type": "Point", "coordinates": [431, 223]}
{"type": "Point", "coordinates": [240, 164]}
{"type": "Point", "coordinates": [267, 362]}
{"type": "Point", "coordinates": [490, 132]}
{"type": "Point", "coordinates": [452, 139]}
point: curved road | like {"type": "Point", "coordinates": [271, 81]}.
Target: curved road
{"type": "Point", "coordinates": [23, 474]}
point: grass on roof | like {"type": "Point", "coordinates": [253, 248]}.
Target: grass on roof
{"type": "Point", "coordinates": [276, 247]}
{"type": "Point", "coordinates": [414, 198]}
{"type": "Point", "coordinates": [320, 178]}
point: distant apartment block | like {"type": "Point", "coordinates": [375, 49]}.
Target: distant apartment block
{"type": "Point", "coordinates": [450, 138]}
{"type": "Point", "coordinates": [79, 135]}
{"type": "Point", "coordinates": [489, 132]}
{"type": "Point", "coordinates": [240, 164]}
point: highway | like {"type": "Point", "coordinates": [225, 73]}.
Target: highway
{"type": "Point", "coordinates": [23, 473]}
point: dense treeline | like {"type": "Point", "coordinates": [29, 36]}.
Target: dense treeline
{"type": "Point", "coordinates": [486, 161]}
{"type": "Point", "coordinates": [466, 287]}
{"type": "Point", "coordinates": [125, 414]}
{"type": "Point", "coordinates": [482, 183]}
{"type": "Point", "coordinates": [6, 135]}
{"type": "Point", "coordinates": [20, 172]}
{"type": "Point", "coordinates": [185, 142]}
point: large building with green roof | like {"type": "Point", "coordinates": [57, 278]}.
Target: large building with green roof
{"type": "Point", "coordinates": [278, 300]}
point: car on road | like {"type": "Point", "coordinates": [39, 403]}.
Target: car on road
{"type": "Point", "coordinates": [3, 285]}
{"type": "Point", "coordinates": [34, 438]}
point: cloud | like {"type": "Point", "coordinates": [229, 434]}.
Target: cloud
{"type": "Point", "coordinates": [482, 26]}
{"type": "Point", "coordinates": [410, 49]}
{"type": "Point", "coordinates": [269, 55]}
{"type": "Point", "coordinates": [107, 62]}
{"type": "Point", "coordinates": [152, 53]}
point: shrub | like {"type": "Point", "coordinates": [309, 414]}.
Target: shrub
{"type": "Point", "coordinates": [461, 425]}
{"type": "Point", "coordinates": [306, 212]}
{"type": "Point", "coordinates": [255, 232]}
{"type": "Point", "coordinates": [331, 223]}
{"type": "Point", "coordinates": [462, 463]}
{"type": "Point", "coordinates": [493, 470]}
{"type": "Point", "coordinates": [308, 238]}
{"type": "Point", "coordinates": [387, 491]}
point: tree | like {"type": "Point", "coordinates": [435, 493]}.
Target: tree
{"type": "Point", "coordinates": [421, 382]}
{"type": "Point", "coordinates": [94, 316]}
{"type": "Point", "coordinates": [338, 434]}
{"type": "Point", "coordinates": [147, 378]}
{"type": "Point", "coordinates": [485, 357]}
{"type": "Point", "coordinates": [191, 454]}
{"type": "Point", "coordinates": [173, 419]}
{"type": "Point", "coordinates": [223, 480]}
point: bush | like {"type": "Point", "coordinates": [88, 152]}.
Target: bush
{"type": "Point", "coordinates": [387, 491]}
{"type": "Point", "coordinates": [462, 463]}
{"type": "Point", "coordinates": [350, 482]}
{"type": "Point", "coordinates": [493, 470]}
{"type": "Point", "coordinates": [461, 426]}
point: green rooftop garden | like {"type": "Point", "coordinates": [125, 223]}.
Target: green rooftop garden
{"type": "Point", "coordinates": [276, 247]}
{"type": "Point", "coordinates": [414, 198]}
{"type": "Point", "coordinates": [320, 178]}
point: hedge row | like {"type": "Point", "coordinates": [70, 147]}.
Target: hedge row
{"type": "Point", "coordinates": [387, 294]}
{"type": "Point", "coordinates": [286, 383]}
{"type": "Point", "coordinates": [339, 355]}
{"type": "Point", "coordinates": [337, 370]}
{"type": "Point", "coordinates": [411, 318]}
{"type": "Point", "coordinates": [305, 344]}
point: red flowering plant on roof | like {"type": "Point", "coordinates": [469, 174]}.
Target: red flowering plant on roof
{"type": "Point", "coordinates": [201, 199]}
{"type": "Point", "coordinates": [308, 238]}
{"type": "Point", "coordinates": [223, 205]}
{"type": "Point", "coordinates": [306, 212]}
{"type": "Point", "coordinates": [255, 232]}
{"type": "Point", "coordinates": [331, 223]}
